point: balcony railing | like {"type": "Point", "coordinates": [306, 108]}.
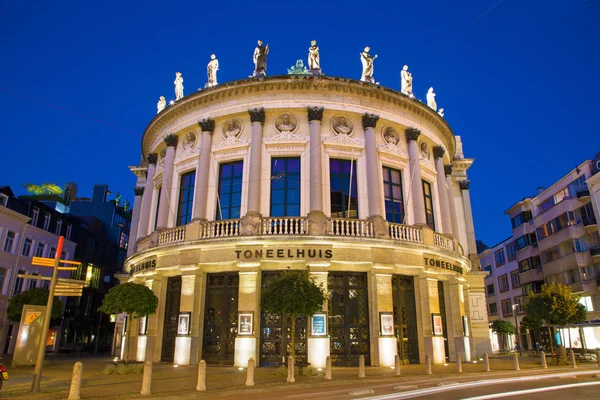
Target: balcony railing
{"type": "Point", "coordinates": [144, 244]}
{"type": "Point", "coordinates": [443, 241]}
{"type": "Point", "coordinates": [406, 233]}
{"type": "Point", "coordinates": [583, 194]}
{"type": "Point", "coordinates": [216, 229]}
{"type": "Point", "coordinates": [284, 226]}
{"type": "Point", "coordinates": [589, 220]}
{"type": "Point", "coordinates": [350, 227]}
{"type": "Point", "coordinates": [173, 235]}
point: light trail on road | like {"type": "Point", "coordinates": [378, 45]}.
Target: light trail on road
{"type": "Point", "coordinates": [531, 391]}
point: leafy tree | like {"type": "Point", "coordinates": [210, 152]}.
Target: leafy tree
{"type": "Point", "coordinates": [533, 323]}
{"type": "Point", "coordinates": [504, 328]}
{"type": "Point", "coordinates": [44, 189]}
{"type": "Point", "coordinates": [292, 294]}
{"type": "Point", "coordinates": [36, 297]}
{"type": "Point", "coordinates": [132, 298]}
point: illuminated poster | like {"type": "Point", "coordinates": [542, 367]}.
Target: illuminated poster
{"type": "Point", "coordinates": [438, 330]}
{"type": "Point", "coordinates": [30, 335]}
{"type": "Point", "coordinates": [386, 321]}
{"type": "Point", "coordinates": [183, 323]}
{"type": "Point", "coordinates": [246, 323]}
{"type": "Point", "coordinates": [143, 323]}
{"type": "Point", "coordinates": [319, 324]}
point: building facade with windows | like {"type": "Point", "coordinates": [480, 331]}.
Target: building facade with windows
{"type": "Point", "coordinates": [360, 184]}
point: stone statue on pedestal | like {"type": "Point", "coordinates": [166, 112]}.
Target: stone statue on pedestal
{"type": "Point", "coordinates": [260, 59]}
{"type": "Point", "coordinates": [162, 103]}
{"type": "Point", "coordinates": [441, 112]}
{"type": "Point", "coordinates": [407, 80]}
{"type": "Point", "coordinates": [314, 61]}
{"type": "Point", "coordinates": [178, 86]}
{"type": "Point", "coordinates": [211, 71]}
{"type": "Point", "coordinates": [367, 65]}
{"type": "Point", "coordinates": [431, 99]}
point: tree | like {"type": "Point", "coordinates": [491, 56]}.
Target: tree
{"type": "Point", "coordinates": [504, 328]}
{"type": "Point", "coordinates": [36, 297]}
{"type": "Point", "coordinates": [533, 323]}
{"type": "Point", "coordinates": [292, 294]}
{"type": "Point", "coordinates": [132, 298]}
{"type": "Point", "coordinates": [44, 189]}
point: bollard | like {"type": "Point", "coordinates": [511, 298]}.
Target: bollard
{"type": "Point", "coordinates": [328, 368]}
{"type": "Point", "coordinates": [573, 363]}
{"type": "Point", "coordinates": [76, 381]}
{"type": "Point", "coordinates": [290, 377]}
{"type": "Point", "coordinates": [544, 362]}
{"type": "Point", "coordinates": [250, 375]}
{"type": "Point", "coordinates": [201, 376]}
{"type": "Point", "coordinates": [147, 380]}
{"type": "Point", "coordinates": [486, 362]}
{"type": "Point", "coordinates": [397, 365]}
{"type": "Point", "coordinates": [458, 363]}
{"type": "Point", "coordinates": [516, 362]}
{"type": "Point", "coordinates": [361, 367]}
{"type": "Point", "coordinates": [428, 365]}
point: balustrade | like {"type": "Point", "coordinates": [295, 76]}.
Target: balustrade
{"type": "Point", "coordinates": [173, 235]}
{"type": "Point", "coordinates": [350, 227]}
{"type": "Point", "coordinates": [284, 226]}
{"type": "Point", "coordinates": [406, 233]}
{"type": "Point", "coordinates": [224, 228]}
{"type": "Point", "coordinates": [443, 241]}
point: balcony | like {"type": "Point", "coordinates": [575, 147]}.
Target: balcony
{"type": "Point", "coordinates": [566, 263]}
{"type": "Point", "coordinates": [590, 224]}
{"type": "Point", "coordinates": [584, 286]}
{"type": "Point", "coordinates": [531, 275]}
{"type": "Point", "coordinates": [583, 195]}
{"type": "Point", "coordinates": [595, 253]}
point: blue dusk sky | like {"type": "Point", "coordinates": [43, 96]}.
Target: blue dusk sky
{"type": "Point", "coordinates": [79, 80]}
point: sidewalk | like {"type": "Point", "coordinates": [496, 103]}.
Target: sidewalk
{"type": "Point", "coordinates": [170, 382]}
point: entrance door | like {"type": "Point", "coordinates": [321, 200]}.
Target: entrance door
{"type": "Point", "coordinates": [171, 314]}
{"type": "Point", "coordinates": [348, 317]}
{"type": "Point", "coordinates": [220, 318]}
{"type": "Point", "coordinates": [405, 318]}
{"type": "Point", "coordinates": [276, 334]}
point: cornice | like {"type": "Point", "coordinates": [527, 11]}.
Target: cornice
{"type": "Point", "coordinates": [277, 84]}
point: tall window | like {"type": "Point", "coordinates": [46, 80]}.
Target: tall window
{"type": "Point", "coordinates": [342, 178]}
{"type": "Point", "coordinates": [18, 283]}
{"type": "Point", "coordinates": [230, 190]}
{"type": "Point", "coordinates": [10, 240]}
{"type": "Point", "coordinates": [33, 282]}
{"type": "Point", "coordinates": [499, 256]}
{"type": "Point", "coordinates": [52, 253]}
{"type": "Point", "coordinates": [2, 279]}
{"type": "Point", "coordinates": [46, 221]}
{"type": "Point", "coordinates": [59, 226]}
{"type": "Point", "coordinates": [39, 251]}
{"type": "Point", "coordinates": [285, 187]}
{"type": "Point", "coordinates": [68, 234]}
{"type": "Point", "coordinates": [35, 214]}
{"type": "Point", "coordinates": [186, 198]}
{"type": "Point", "coordinates": [392, 192]}
{"type": "Point", "coordinates": [428, 199]}
{"type": "Point", "coordinates": [27, 247]}
{"type": "Point", "coordinates": [157, 206]}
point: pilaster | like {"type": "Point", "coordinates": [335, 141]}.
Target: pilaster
{"type": "Point", "coordinates": [167, 184]}
{"type": "Point", "coordinates": [318, 347]}
{"type": "Point", "coordinates": [430, 304]}
{"type": "Point", "coordinates": [135, 219]}
{"type": "Point", "coordinates": [438, 153]}
{"type": "Point", "coordinates": [207, 127]}
{"type": "Point", "coordinates": [385, 348]}
{"type": "Point", "coordinates": [475, 307]}
{"type": "Point", "coordinates": [246, 346]}
{"type": "Point", "coordinates": [144, 224]}
{"type": "Point", "coordinates": [155, 321]}
{"type": "Point", "coordinates": [315, 116]}
{"type": "Point", "coordinates": [257, 117]}
{"type": "Point", "coordinates": [472, 250]}
{"type": "Point", "coordinates": [415, 201]}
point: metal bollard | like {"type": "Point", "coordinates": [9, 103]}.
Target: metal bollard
{"type": "Point", "coordinates": [573, 363]}
{"type": "Point", "coordinates": [428, 365]}
{"type": "Point", "coordinates": [397, 365]}
{"type": "Point", "coordinates": [328, 368]}
{"type": "Point", "coordinates": [486, 362]}
{"type": "Point", "coordinates": [147, 380]}
{"type": "Point", "coordinates": [361, 367]}
{"type": "Point", "coordinates": [250, 375]}
{"type": "Point", "coordinates": [290, 377]}
{"type": "Point", "coordinates": [544, 361]}
{"type": "Point", "coordinates": [201, 376]}
{"type": "Point", "coordinates": [76, 381]}
{"type": "Point", "coordinates": [516, 362]}
{"type": "Point", "coordinates": [458, 363]}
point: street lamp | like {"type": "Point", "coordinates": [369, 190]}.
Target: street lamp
{"type": "Point", "coordinates": [514, 308]}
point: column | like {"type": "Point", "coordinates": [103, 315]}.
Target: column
{"type": "Point", "coordinates": [416, 186]}
{"type": "Point", "coordinates": [383, 302]}
{"type": "Point", "coordinates": [147, 198]}
{"type": "Point", "coordinates": [449, 185]}
{"type": "Point", "coordinates": [185, 353]}
{"type": "Point", "coordinates": [454, 320]}
{"type": "Point", "coordinates": [167, 183]}
{"type": "Point", "coordinates": [438, 153]}
{"type": "Point", "coordinates": [430, 304]}
{"type": "Point", "coordinates": [246, 346]}
{"type": "Point", "coordinates": [318, 347]}
{"type": "Point", "coordinates": [135, 219]}
{"type": "Point", "coordinates": [374, 182]}
{"type": "Point", "coordinates": [315, 116]}
{"type": "Point", "coordinates": [475, 308]}
{"type": "Point", "coordinates": [207, 127]}
{"type": "Point", "coordinates": [472, 251]}
{"type": "Point", "coordinates": [153, 322]}
{"type": "Point", "coordinates": [257, 117]}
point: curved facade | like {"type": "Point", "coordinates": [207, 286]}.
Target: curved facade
{"type": "Point", "coordinates": [361, 185]}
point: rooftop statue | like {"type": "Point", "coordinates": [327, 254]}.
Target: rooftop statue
{"type": "Point", "coordinates": [367, 65]}
{"type": "Point", "coordinates": [211, 71]}
{"type": "Point", "coordinates": [298, 69]}
{"type": "Point", "coordinates": [441, 112]}
{"type": "Point", "coordinates": [178, 86]}
{"type": "Point", "coordinates": [314, 61]}
{"type": "Point", "coordinates": [407, 80]}
{"type": "Point", "coordinates": [162, 103]}
{"type": "Point", "coordinates": [431, 99]}
{"type": "Point", "coordinates": [260, 59]}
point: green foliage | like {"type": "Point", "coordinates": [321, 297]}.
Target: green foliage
{"type": "Point", "coordinates": [501, 326]}
{"type": "Point", "coordinates": [44, 189]}
{"type": "Point", "coordinates": [293, 293]}
{"type": "Point", "coordinates": [579, 316]}
{"type": "Point", "coordinates": [36, 297]}
{"type": "Point", "coordinates": [555, 305]}
{"type": "Point", "coordinates": [532, 322]}
{"type": "Point", "coordinates": [132, 298]}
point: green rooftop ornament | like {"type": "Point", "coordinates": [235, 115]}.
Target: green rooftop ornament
{"type": "Point", "coordinates": [298, 69]}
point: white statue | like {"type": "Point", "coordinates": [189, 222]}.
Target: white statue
{"type": "Point", "coordinates": [367, 65]}
{"type": "Point", "coordinates": [162, 103]}
{"type": "Point", "coordinates": [431, 99]}
{"type": "Point", "coordinates": [178, 86]}
{"type": "Point", "coordinates": [211, 71]}
{"type": "Point", "coordinates": [314, 62]}
{"type": "Point", "coordinates": [260, 59]}
{"type": "Point", "coordinates": [459, 150]}
{"type": "Point", "coordinates": [441, 112]}
{"type": "Point", "coordinates": [406, 82]}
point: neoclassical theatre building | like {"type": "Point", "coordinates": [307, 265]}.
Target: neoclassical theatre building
{"type": "Point", "coordinates": [361, 185]}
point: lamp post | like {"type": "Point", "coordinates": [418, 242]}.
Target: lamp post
{"type": "Point", "coordinates": [514, 308]}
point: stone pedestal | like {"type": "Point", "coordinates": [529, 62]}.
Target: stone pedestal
{"type": "Point", "coordinates": [317, 223]}
{"type": "Point", "coordinates": [250, 224]}
{"type": "Point", "coordinates": [318, 350]}
{"type": "Point", "coordinates": [380, 226]}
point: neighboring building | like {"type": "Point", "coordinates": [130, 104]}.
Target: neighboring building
{"type": "Point", "coordinates": [555, 239]}
{"type": "Point", "coordinates": [242, 181]}
{"type": "Point", "coordinates": [28, 228]}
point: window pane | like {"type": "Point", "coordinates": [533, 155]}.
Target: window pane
{"type": "Point", "coordinates": [230, 190]}
{"type": "Point", "coordinates": [340, 180]}
{"type": "Point", "coordinates": [285, 187]}
{"type": "Point", "coordinates": [186, 198]}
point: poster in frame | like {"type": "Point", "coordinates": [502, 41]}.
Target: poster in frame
{"type": "Point", "coordinates": [386, 323]}
{"type": "Point", "coordinates": [143, 325]}
{"type": "Point", "coordinates": [438, 329]}
{"type": "Point", "coordinates": [246, 323]}
{"type": "Point", "coordinates": [465, 321]}
{"type": "Point", "coordinates": [318, 324]}
{"type": "Point", "coordinates": [183, 323]}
